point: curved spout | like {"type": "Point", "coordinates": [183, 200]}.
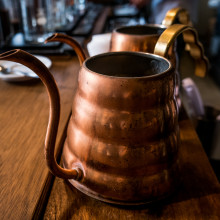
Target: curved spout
{"type": "Point", "coordinates": [70, 41]}
{"type": "Point", "coordinates": [46, 77]}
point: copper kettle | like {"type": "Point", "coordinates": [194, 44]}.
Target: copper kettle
{"type": "Point", "coordinates": [123, 136]}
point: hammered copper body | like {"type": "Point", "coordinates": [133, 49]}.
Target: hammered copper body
{"type": "Point", "coordinates": [123, 136]}
{"type": "Point", "coordinates": [123, 131]}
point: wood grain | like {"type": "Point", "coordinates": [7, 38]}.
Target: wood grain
{"type": "Point", "coordinates": [24, 110]}
{"type": "Point", "coordinates": [198, 196]}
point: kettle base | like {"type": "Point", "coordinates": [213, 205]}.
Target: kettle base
{"type": "Point", "coordinates": [99, 197]}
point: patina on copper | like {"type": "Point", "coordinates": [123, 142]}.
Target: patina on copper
{"type": "Point", "coordinates": [123, 135]}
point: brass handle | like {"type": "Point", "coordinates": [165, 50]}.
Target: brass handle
{"type": "Point", "coordinates": [190, 37]}
{"type": "Point", "coordinates": [174, 13]}
{"type": "Point", "coordinates": [46, 77]}
{"type": "Point", "coordinates": [70, 41]}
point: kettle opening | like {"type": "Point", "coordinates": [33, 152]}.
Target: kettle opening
{"type": "Point", "coordinates": [141, 30]}
{"type": "Point", "coordinates": [128, 64]}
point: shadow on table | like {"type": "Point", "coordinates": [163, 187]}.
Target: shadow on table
{"type": "Point", "coordinates": [198, 182]}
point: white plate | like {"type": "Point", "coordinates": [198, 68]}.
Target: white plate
{"type": "Point", "coordinates": [18, 76]}
{"type": "Point", "coordinates": [99, 43]}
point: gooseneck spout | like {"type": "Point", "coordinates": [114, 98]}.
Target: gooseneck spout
{"type": "Point", "coordinates": [46, 77]}
{"type": "Point", "coordinates": [71, 42]}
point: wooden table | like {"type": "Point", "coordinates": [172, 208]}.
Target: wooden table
{"type": "Point", "coordinates": [28, 190]}
{"type": "Point", "coordinates": [25, 190]}
{"type": "Point", "coordinates": [198, 196]}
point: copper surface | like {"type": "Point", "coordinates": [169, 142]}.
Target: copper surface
{"type": "Point", "coordinates": [124, 129]}
{"type": "Point", "coordinates": [123, 136]}
{"type": "Point", "coordinates": [123, 132]}
{"type": "Point", "coordinates": [70, 41]}
{"type": "Point", "coordinates": [136, 38]}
